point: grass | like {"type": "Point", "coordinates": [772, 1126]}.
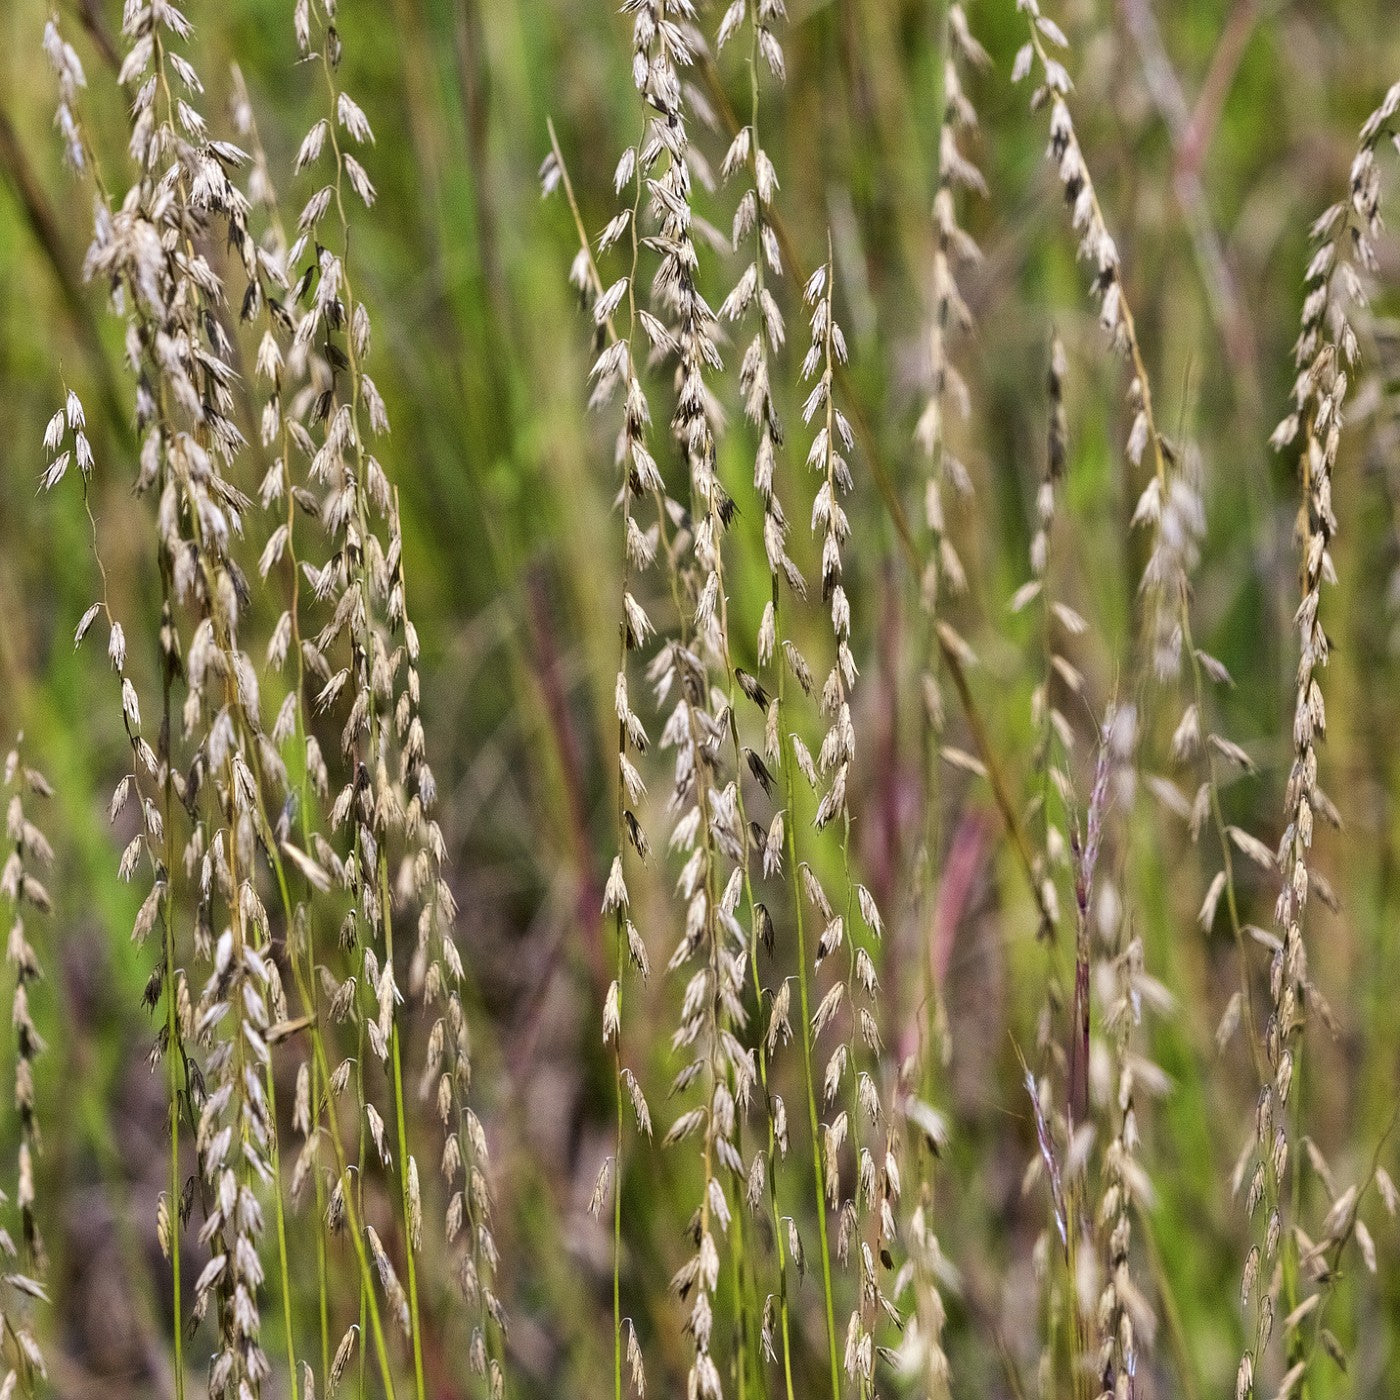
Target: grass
{"type": "Point", "coordinates": [621, 899]}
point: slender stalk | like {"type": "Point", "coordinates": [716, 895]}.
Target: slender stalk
{"type": "Point", "coordinates": [813, 1123]}
{"type": "Point", "coordinates": [402, 1132]}
{"type": "Point", "coordinates": [304, 979]}
{"type": "Point", "coordinates": [617, 1185]}
{"type": "Point", "coordinates": [173, 1034]}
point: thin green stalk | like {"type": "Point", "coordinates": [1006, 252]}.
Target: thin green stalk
{"type": "Point", "coordinates": [617, 1165]}
{"type": "Point", "coordinates": [167, 791]}
{"type": "Point", "coordinates": [305, 981]}
{"type": "Point", "coordinates": [368, 1298]}
{"type": "Point", "coordinates": [322, 1286]}
{"type": "Point", "coordinates": [161, 868]}
{"type": "Point", "coordinates": [172, 1035]}
{"type": "Point", "coordinates": [772, 1169]}
{"type": "Point", "coordinates": [286, 1277]}
{"type": "Point", "coordinates": [790, 840]}
{"type": "Point", "coordinates": [174, 1043]}
{"type": "Point", "coordinates": [304, 795]}
{"type": "Point", "coordinates": [308, 1006]}
{"type": "Point", "coordinates": [368, 1303]}
{"type": "Point", "coordinates": [397, 1060]}
{"type": "Point", "coordinates": [741, 1301]}
{"type": "Point", "coordinates": [749, 1302]}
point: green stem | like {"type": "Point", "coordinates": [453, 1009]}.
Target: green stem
{"type": "Point", "coordinates": [172, 1037]}
{"type": "Point", "coordinates": [617, 1178]}
{"type": "Point", "coordinates": [305, 981]}
{"type": "Point", "coordinates": [394, 1054]}
{"type": "Point", "coordinates": [804, 997]}
{"type": "Point", "coordinates": [282, 1237]}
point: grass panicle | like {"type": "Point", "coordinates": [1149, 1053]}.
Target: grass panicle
{"type": "Point", "coordinates": [22, 888]}
{"type": "Point", "coordinates": [1295, 1269]}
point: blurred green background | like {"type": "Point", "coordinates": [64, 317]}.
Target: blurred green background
{"type": "Point", "coordinates": [1217, 131]}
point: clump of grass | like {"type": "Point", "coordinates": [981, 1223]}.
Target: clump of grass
{"type": "Point", "coordinates": [281, 815]}
{"type": "Point", "coordinates": [205, 806]}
